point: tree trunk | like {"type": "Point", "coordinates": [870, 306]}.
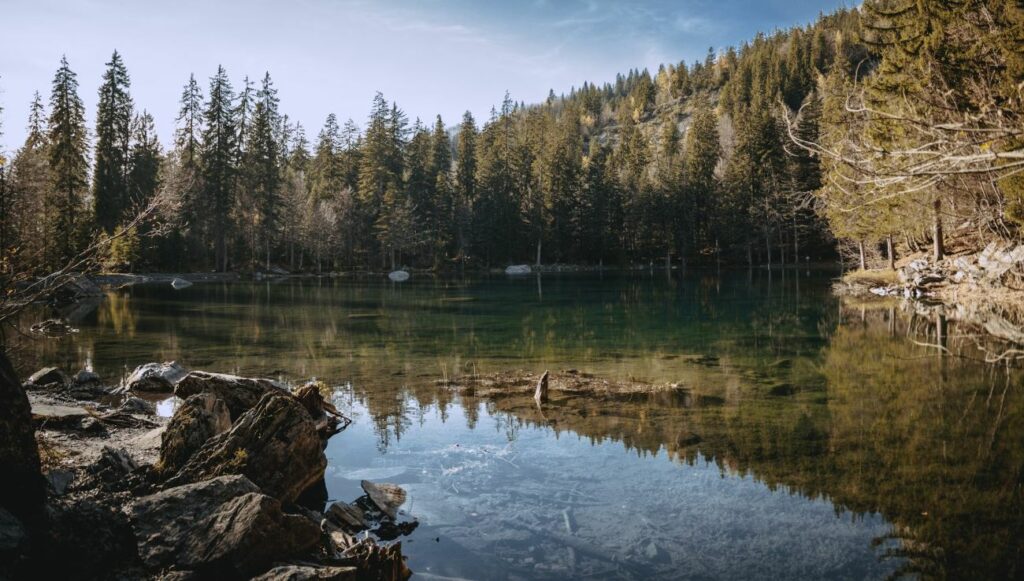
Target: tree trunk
{"type": "Point", "coordinates": [889, 252]}
{"type": "Point", "coordinates": [940, 250]}
{"type": "Point", "coordinates": [768, 248]}
{"type": "Point", "coordinates": [796, 242]}
{"type": "Point", "coordinates": [860, 250]}
{"type": "Point", "coordinates": [539, 239]}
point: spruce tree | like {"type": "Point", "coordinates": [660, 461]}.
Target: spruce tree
{"type": "Point", "coordinates": [69, 165]}
{"type": "Point", "coordinates": [218, 162]}
{"type": "Point", "coordinates": [143, 162]}
{"type": "Point", "coordinates": [113, 135]}
{"type": "Point", "coordinates": [264, 165]}
{"type": "Point", "coordinates": [465, 183]}
{"type": "Point", "coordinates": [702, 152]}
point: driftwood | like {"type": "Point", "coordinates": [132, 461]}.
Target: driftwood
{"type": "Point", "coordinates": [541, 395]}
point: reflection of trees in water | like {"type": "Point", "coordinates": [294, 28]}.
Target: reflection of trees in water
{"type": "Point", "coordinates": [882, 425]}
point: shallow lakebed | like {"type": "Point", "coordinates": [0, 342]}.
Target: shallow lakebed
{"type": "Point", "coordinates": [801, 438]}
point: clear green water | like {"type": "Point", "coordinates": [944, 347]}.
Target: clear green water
{"type": "Point", "coordinates": [812, 440]}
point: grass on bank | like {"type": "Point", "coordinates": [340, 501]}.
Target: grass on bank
{"type": "Point", "coordinates": [881, 277]}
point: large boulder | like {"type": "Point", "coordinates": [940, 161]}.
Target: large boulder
{"type": "Point", "coordinates": [22, 486]}
{"type": "Point", "coordinates": [48, 377]}
{"type": "Point", "coordinates": [275, 444]}
{"type": "Point", "coordinates": [224, 527]}
{"type": "Point", "coordinates": [238, 393]}
{"type": "Point", "coordinates": [156, 377]}
{"type": "Point", "coordinates": [200, 418]}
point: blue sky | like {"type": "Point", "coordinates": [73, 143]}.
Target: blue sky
{"type": "Point", "coordinates": [431, 56]}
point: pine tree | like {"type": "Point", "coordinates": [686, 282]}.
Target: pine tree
{"type": "Point", "coordinates": [326, 178]}
{"type": "Point", "coordinates": [30, 187]}
{"type": "Point", "coordinates": [702, 152]}
{"type": "Point", "coordinates": [441, 189]}
{"type": "Point", "coordinates": [69, 165]}
{"type": "Point", "coordinates": [113, 136]}
{"type": "Point", "coordinates": [218, 162]}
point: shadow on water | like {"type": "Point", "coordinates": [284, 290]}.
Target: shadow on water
{"type": "Point", "coordinates": [806, 437]}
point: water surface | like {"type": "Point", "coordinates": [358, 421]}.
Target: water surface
{"type": "Point", "coordinates": [806, 439]}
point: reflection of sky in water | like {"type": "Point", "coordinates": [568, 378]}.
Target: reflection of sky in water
{"type": "Point", "coordinates": [505, 500]}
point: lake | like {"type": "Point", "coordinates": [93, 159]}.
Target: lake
{"type": "Point", "coordinates": [807, 438]}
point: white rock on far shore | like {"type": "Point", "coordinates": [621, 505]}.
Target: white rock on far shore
{"type": "Point", "coordinates": [519, 269]}
{"type": "Point", "coordinates": [399, 276]}
{"type": "Point", "coordinates": [180, 283]}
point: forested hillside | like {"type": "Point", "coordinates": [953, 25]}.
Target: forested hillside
{"type": "Point", "coordinates": [894, 124]}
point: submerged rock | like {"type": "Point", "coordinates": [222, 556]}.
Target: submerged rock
{"type": "Point", "coordinates": [53, 328]}
{"type": "Point", "coordinates": [518, 269]}
{"type": "Point", "coordinates": [156, 377]}
{"type": "Point", "coordinates": [221, 525]}
{"type": "Point", "coordinates": [200, 418]}
{"type": "Point", "coordinates": [308, 573]}
{"type": "Point", "coordinates": [238, 393]}
{"type": "Point", "coordinates": [387, 497]}
{"type": "Point", "coordinates": [275, 444]}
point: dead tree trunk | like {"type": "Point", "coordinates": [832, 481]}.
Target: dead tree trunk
{"type": "Point", "coordinates": [940, 250]}
{"type": "Point", "coordinates": [860, 250]}
{"type": "Point", "coordinates": [890, 253]}
{"type": "Point", "coordinates": [541, 395]}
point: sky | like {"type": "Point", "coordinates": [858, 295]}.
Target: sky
{"type": "Point", "coordinates": [331, 56]}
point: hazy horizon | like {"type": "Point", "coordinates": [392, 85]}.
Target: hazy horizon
{"type": "Point", "coordinates": [439, 57]}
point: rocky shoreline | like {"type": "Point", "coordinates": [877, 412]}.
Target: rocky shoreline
{"type": "Point", "coordinates": [981, 290]}
{"type": "Point", "coordinates": [231, 486]}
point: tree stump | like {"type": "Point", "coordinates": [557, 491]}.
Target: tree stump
{"type": "Point", "coordinates": [541, 395]}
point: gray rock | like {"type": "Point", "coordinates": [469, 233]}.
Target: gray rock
{"type": "Point", "coordinates": [114, 464]}
{"type": "Point", "coordinates": [398, 276]}
{"type": "Point", "coordinates": [388, 497]}
{"type": "Point", "coordinates": [224, 525]}
{"type": "Point", "coordinates": [137, 405]}
{"type": "Point", "coordinates": [87, 377]}
{"type": "Point", "coordinates": [58, 416]}
{"type": "Point", "coordinates": [60, 480]}
{"type": "Point", "coordinates": [48, 376]}
{"type": "Point", "coordinates": [156, 377]}
{"type": "Point", "coordinates": [275, 444]}
{"type": "Point", "coordinates": [199, 418]}
{"type": "Point", "coordinates": [180, 283]}
{"type": "Point", "coordinates": [239, 393]}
